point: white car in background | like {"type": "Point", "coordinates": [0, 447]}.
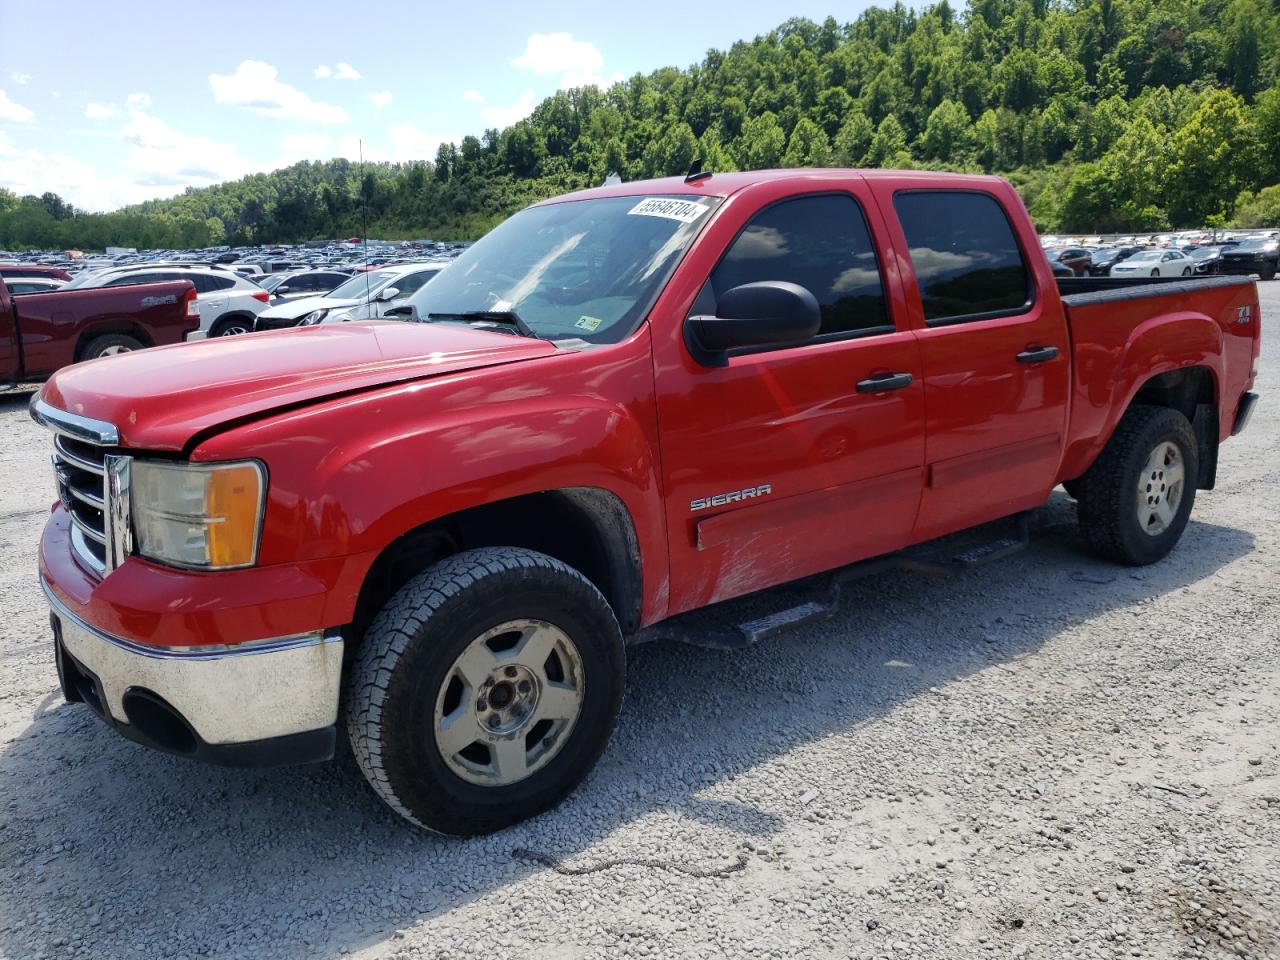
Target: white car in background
{"type": "Point", "coordinates": [228, 302]}
{"type": "Point", "coordinates": [21, 285]}
{"type": "Point", "coordinates": [1155, 263]}
{"type": "Point", "coordinates": [364, 297]}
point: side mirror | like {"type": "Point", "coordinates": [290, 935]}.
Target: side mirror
{"type": "Point", "coordinates": [387, 293]}
{"type": "Point", "coordinates": [408, 313]}
{"type": "Point", "coordinates": [753, 315]}
{"type": "Point", "coordinates": [282, 290]}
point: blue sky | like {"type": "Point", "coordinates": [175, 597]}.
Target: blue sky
{"type": "Point", "coordinates": [108, 104]}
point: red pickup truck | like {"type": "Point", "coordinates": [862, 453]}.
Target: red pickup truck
{"type": "Point", "coordinates": [41, 332]}
{"type": "Point", "coordinates": [618, 407]}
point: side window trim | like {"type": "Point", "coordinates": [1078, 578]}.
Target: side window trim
{"type": "Point", "coordinates": [1033, 289]}
{"type": "Point", "coordinates": [821, 338]}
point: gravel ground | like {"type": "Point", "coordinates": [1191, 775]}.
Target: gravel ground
{"type": "Point", "coordinates": [1051, 758]}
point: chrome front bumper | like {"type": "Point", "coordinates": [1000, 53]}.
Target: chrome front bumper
{"type": "Point", "coordinates": [257, 704]}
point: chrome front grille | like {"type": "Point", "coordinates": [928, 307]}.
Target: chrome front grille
{"type": "Point", "coordinates": [93, 484]}
{"type": "Point", "coordinates": [80, 468]}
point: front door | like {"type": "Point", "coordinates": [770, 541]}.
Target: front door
{"type": "Point", "coordinates": [789, 460]}
{"type": "Point", "coordinates": [995, 355]}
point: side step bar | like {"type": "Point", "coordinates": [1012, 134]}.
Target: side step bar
{"type": "Point", "coordinates": [699, 627]}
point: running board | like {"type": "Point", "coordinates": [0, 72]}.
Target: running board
{"type": "Point", "coordinates": [700, 627]}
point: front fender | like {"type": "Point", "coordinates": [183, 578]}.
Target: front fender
{"type": "Point", "coordinates": [351, 475]}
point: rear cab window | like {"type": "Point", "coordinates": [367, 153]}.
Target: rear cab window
{"type": "Point", "coordinates": [820, 242]}
{"type": "Point", "coordinates": [967, 260]}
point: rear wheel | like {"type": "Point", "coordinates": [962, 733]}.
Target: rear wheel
{"type": "Point", "coordinates": [1134, 502]}
{"type": "Point", "coordinates": [110, 345]}
{"type": "Point", "coordinates": [1186, 271]}
{"type": "Point", "coordinates": [485, 690]}
{"type": "Point", "coordinates": [1268, 272]}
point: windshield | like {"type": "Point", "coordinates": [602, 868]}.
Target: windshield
{"type": "Point", "coordinates": [1201, 253]}
{"type": "Point", "coordinates": [271, 282]}
{"type": "Point", "coordinates": [582, 269]}
{"type": "Point", "coordinates": [357, 286]}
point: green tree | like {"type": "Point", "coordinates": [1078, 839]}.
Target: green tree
{"type": "Point", "coordinates": [762, 143]}
{"type": "Point", "coordinates": [948, 135]}
{"type": "Point", "coordinates": [807, 147]}
{"type": "Point", "coordinates": [889, 145]}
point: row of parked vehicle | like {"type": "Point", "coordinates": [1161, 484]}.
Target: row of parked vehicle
{"type": "Point", "coordinates": [232, 303]}
{"type": "Point", "coordinates": [1246, 255]}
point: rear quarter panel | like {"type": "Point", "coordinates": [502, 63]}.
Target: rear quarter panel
{"type": "Point", "coordinates": [1118, 345]}
{"type": "Point", "coordinates": [52, 326]}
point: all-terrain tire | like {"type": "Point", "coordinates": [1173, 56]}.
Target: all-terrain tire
{"type": "Point", "coordinates": [109, 345]}
{"type": "Point", "coordinates": [1111, 497]}
{"type": "Point", "coordinates": [410, 655]}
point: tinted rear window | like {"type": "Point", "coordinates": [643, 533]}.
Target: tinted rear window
{"type": "Point", "coordinates": [966, 259]}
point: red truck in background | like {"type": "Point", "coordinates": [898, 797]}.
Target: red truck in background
{"type": "Point", "coordinates": [33, 270]}
{"type": "Point", "coordinates": [42, 332]}
{"type": "Point", "coordinates": [617, 408]}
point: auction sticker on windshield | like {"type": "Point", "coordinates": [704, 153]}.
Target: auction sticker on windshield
{"type": "Point", "coordinates": [686, 211]}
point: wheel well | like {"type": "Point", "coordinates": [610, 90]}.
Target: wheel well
{"type": "Point", "coordinates": [1192, 391]}
{"type": "Point", "coordinates": [585, 527]}
{"type": "Point", "coordinates": [126, 328]}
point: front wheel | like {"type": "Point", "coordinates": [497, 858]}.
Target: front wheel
{"type": "Point", "coordinates": [1186, 271]}
{"type": "Point", "coordinates": [1156, 272]}
{"type": "Point", "coordinates": [485, 690]}
{"type": "Point", "coordinates": [1134, 502]}
{"type": "Point", "coordinates": [232, 327]}
{"type": "Point", "coordinates": [1268, 272]}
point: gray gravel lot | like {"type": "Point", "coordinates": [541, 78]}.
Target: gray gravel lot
{"type": "Point", "coordinates": [1051, 758]}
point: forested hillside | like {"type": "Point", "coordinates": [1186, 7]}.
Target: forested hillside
{"type": "Point", "coordinates": [1107, 114]}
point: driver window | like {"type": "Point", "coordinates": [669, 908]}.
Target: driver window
{"type": "Point", "coordinates": [821, 243]}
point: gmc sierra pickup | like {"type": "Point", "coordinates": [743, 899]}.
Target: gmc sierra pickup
{"type": "Point", "coordinates": [618, 407]}
{"type": "Point", "coordinates": [41, 332]}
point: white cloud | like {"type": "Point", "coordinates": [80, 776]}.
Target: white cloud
{"type": "Point", "coordinates": [506, 116]}
{"type": "Point", "coordinates": [381, 100]}
{"type": "Point", "coordinates": [578, 62]}
{"type": "Point", "coordinates": [21, 79]}
{"type": "Point", "coordinates": [138, 101]}
{"type": "Point", "coordinates": [322, 71]}
{"type": "Point", "coordinates": [13, 111]}
{"type": "Point", "coordinates": [473, 96]}
{"type": "Point", "coordinates": [160, 156]}
{"type": "Point", "coordinates": [407, 142]}
{"type": "Point", "coordinates": [256, 86]}
{"type": "Point", "coordinates": [100, 111]}
{"type": "Point", "coordinates": [345, 71]}
{"type": "Point", "coordinates": [305, 146]}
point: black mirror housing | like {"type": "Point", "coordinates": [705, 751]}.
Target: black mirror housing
{"type": "Point", "coordinates": [753, 315]}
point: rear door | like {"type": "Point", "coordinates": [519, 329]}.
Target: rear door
{"type": "Point", "coordinates": [786, 460]}
{"type": "Point", "coordinates": [995, 356]}
{"type": "Point", "coordinates": [10, 370]}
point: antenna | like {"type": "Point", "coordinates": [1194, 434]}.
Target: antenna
{"type": "Point", "coordinates": [696, 172]}
{"type": "Point", "coordinates": [364, 228]}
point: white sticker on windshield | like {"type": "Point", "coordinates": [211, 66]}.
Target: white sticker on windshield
{"type": "Point", "coordinates": [686, 211]}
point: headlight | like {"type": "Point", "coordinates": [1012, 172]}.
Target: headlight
{"type": "Point", "coordinates": [314, 317]}
{"type": "Point", "coordinates": [202, 515]}
{"type": "Point", "coordinates": [339, 316]}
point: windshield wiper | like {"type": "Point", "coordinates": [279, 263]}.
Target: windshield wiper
{"type": "Point", "coordinates": [505, 317]}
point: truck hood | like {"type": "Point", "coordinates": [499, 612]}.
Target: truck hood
{"type": "Point", "coordinates": [163, 397]}
{"type": "Point", "coordinates": [296, 309]}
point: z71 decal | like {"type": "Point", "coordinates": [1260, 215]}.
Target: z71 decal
{"type": "Point", "coordinates": [157, 301]}
{"type": "Point", "coordinates": [734, 496]}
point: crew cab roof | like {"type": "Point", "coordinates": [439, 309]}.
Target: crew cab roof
{"type": "Point", "coordinates": [727, 184]}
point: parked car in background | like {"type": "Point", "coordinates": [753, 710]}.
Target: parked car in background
{"type": "Point", "coordinates": [1155, 263]}
{"type": "Point", "coordinates": [1104, 258]}
{"type": "Point", "coordinates": [303, 283]}
{"type": "Point", "coordinates": [9, 270]}
{"type": "Point", "coordinates": [1208, 259]}
{"type": "Point", "coordinates": [23, 285]}
{"type": "Point", "coordinates": [1060, 269]}
{"type": "Point", "coordinates": [1260, 255]}
{"type": "Point", "coordinates": [228, 302]}
{"type": "Point", "coordinates": [362, 297]}
{"type": "Point", "coordinates": [1077, 258]}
